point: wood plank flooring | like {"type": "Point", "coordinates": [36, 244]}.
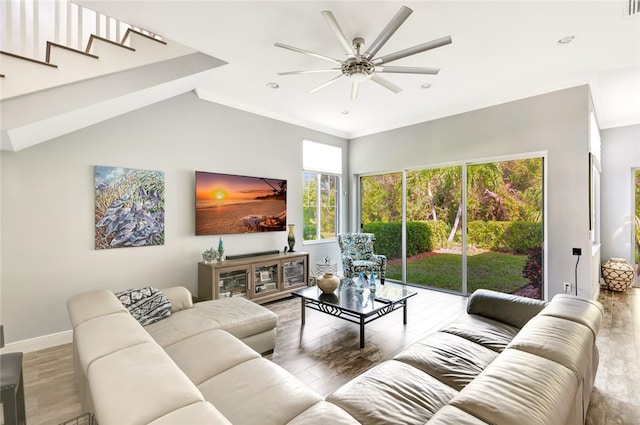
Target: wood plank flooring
{"type": "Point", "coordinates": [325, 354]}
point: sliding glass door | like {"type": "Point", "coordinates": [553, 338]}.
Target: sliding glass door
{"type": "Point", "coordinates": [381, 214]}
{"type": "Point", "coordinates": [434, 245]}
{"type": "Point", "coordinates": [463, 227]}
{"type": "Point", "coordinates": [504, 227]}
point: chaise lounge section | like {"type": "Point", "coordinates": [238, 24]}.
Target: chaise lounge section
{"type": "Point", "coordinates": [509, 360]}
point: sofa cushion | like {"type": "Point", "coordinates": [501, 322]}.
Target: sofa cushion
{"type": "Point", "coordinates": [452, 360]}
{"type": "Point", "coordinates": [563, 341]}
{"type": "Point", "coordinates": [323, 412]}
{"type": "Point", "coordinates": [258, 392]}
{"type": "Point", "coordinates": [586, 312]}
{"type": "Point", "coordinates": [520, 388]}
{"type": "Point", "coordinates": [506, 308]}
{"type": "Point", "coordinates": [142, 375]}
{"type": "Point", "coordinates": [104, 335]}
{"type": "Point", "coordinates": [392, 393]}
{"type": "Point", "coordinates": [147, 305]}
{"type": "Point", "coordinates": [201, 413]}
{"type": "Point", "coordinates": [222, 352]}
{"type": "Point", "coordinates": [86, 306]}
{"type": "Point", "coordinates": [450, 415]}
{"type": "Point", "coordinates": [181, 325]}
{"type": "Point", "coordinates": [239, 316]}
{"type": "Point", "coordinates": [481, 330]}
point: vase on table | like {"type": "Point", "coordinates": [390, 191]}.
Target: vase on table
{"type": "Point", "coordinates": [618, 274]}
{"type": "Point", "coordinates": [291, 238]}
{"type": "Point", "coordinates": [328, 283]}
{"type": "Point", "coordinates": [221, 249]}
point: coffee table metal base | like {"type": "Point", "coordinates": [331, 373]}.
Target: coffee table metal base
{"type": "Point", "coordinates": [351, 316]}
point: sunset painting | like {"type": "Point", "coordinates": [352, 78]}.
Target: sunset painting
{"type": "Point", "coordinates": [227, 203]}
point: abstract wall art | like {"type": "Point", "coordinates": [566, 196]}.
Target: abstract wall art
{"type": "Point", "coordinates": [129, 207]}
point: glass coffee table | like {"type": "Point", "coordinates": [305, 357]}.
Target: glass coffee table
{"type": "Point", "coordinates": [356, 307]}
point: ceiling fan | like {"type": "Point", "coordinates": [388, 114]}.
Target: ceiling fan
{"type": "Point", "coordinates": [358, 66]}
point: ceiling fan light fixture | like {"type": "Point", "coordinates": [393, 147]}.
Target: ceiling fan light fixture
{"type": "Point", "coordinates": [358, 76]}
{"type": "Point", "coordinates": [359, 67]}
{"type": "Point", "coordinates": [273, 85]}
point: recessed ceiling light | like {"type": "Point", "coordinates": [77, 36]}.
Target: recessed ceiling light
{"type": "Point", "coordinates": [566, 40]}
{"type": "Point", "coordinates": [273, 85]}
{"type": "Point", "coordinates": [344, 112]}
{"type": "Point", "coordinates": [425, 86]}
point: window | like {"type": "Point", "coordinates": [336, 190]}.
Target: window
{"type": "Point", "coordinates": [322, 166]}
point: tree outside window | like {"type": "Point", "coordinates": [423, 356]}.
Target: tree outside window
{"type": "Point", "coordinates": [320, 205]}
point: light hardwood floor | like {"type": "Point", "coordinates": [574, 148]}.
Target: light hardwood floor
{"type": "Point", "coordinates": [325, 353]}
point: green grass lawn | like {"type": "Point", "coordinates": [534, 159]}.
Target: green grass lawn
{"type": "Point", "coordinates": [490, 270]}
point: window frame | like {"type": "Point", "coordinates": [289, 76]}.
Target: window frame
{"type": "Point", "coordinates": [318, 197]}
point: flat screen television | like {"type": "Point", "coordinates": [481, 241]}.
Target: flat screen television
{"type": "Point", "coordinates": [228, 203]}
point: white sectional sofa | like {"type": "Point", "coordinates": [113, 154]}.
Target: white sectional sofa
{"type": "Point", "coordinates": [510, 360]}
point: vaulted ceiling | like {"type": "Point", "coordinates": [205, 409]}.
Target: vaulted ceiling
{"type": "Point", "coordinates": [501, 51]}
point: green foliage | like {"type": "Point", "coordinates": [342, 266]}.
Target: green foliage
{"type": "Point", "coordinates": [439, 233]}
{"type": "Point", "coordinates": [389, 238]}
{"type": "Point", "coordinates": [319, 190]}
{"type": "Point", "coordinates": [381, 198]}
{"type": "Point", "coordinates": [520, 237]}
{"type": "Point", "coordinates": [506, 236]}
{"type": "Point", "coordinates": [637, 193]}
{"type": "Point", "coordinates": [418, 238]}
{"type": "Point", "coordinates": [487, 234]}
{"type": "Point", "coordinates": [532, 269]}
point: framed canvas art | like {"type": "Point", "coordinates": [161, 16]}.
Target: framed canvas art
{"type": "Point", "coordinates": [129, 207]}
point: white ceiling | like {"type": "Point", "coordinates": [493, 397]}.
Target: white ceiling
{"type": "Point", "coordinates": [501, 51]}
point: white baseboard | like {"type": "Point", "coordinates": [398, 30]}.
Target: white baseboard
{"type": "Point", "coordinates": [39, 343]}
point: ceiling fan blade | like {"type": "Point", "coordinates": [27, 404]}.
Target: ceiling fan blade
{"type": "Point", "coordinates": [306, 52]}
{"type": "Point", "coordinates": [387, 32]}
{"type": "Point", "coordinates": [408, 70]}
{"type": "Point", "coordinates": [325, 84]}
{"type": "Point", "coordinates": [310, 71]}
{"type": "Point", "coordinates": [385, 83]}
{"type": "Point", "coordinates": [412, 50]}
{"type": "Point", "coordinates": [337, 31]}
{"type": "Point", "coordinates": [354, 90]}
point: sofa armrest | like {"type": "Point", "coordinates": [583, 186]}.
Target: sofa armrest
{"type": "Point", "coordinates": [179, 297]}
{"type": "Point", "coordinates": [510, 309]}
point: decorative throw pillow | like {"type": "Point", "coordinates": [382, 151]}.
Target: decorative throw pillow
{"type": "Point", "coordinates": [147, 305]}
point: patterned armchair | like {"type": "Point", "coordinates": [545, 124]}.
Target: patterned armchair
{"type": "Point", "coordinates": [357, 254]}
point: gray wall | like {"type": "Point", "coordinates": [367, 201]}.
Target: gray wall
{"type": "Point", "coordinates": [47, 194]}
{"type": "Point", "coordinates": [620, 154]}
{"type": "Point", "coordinates": [557, 123]}
{"type": "Point", "coordinates": [48, 202]}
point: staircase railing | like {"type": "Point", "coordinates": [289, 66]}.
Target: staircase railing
{"type": "Point", "coordinates": [29, 24]}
